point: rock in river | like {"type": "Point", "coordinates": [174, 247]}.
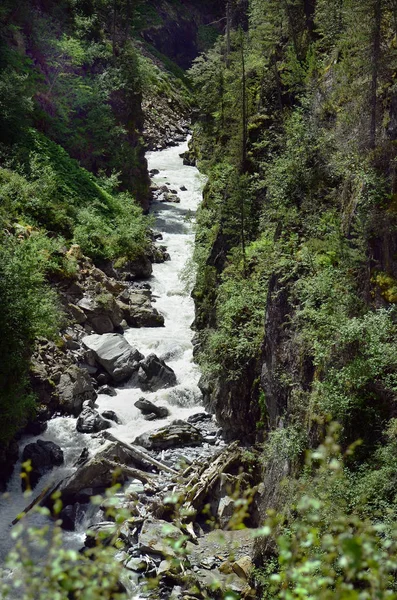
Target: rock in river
{"type": "Point", "coordinates": [115, 354]}
{"type": "Point", "coordinates": [178, 433]}
{"type": "Point", "coordinates": [90, 421]}
{"type": "Point", "coordinates": [74, 388]}
{"type": "Point", "coordinates": [153, 374]}
{"type": "Point", "coordinates": [148, 408]}
{"type": "Point", "coordinates": [43, 457]}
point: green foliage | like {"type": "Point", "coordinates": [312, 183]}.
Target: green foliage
{"type": "Point", "coordinates": [29, 309]}
{"type": "Point", "coordinates": [324, 550]}
{"type": "Point", "coordinates": [59, 573]}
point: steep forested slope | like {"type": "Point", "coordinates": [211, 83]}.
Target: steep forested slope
{"type": "Point", "coordinates": [296, 285]}
{"type": "Point", "coordinates": [85, 89]}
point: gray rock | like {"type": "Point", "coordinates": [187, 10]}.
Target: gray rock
{"type": "Point", "coordinates": [138, 310]}
{"type": "Point", "coordinates": [95, 476]}
{"type": "Point", "coordinates": [199, 417]}
{"type": "Point", "coordinates": [74, 388]}
{"type": "Point", "coordinates": [178, 433]}
{"type": "Point", "coordinates": [155, 537]}
{"type": "Point", "coordinates": [90, 421]}
{"type": "Point", "coordinates": [111, 415]}
{"type": "Point", "coordinates": [77, 313]}
{"type": "Point", "coordinates": [153, 374]}
{"type": "Point", "coordinates": [103, 316]}
{"type": "Point", "coordinates": [114, 353]}
{"type": "Point", "coordinates": [43, 457]}
{"type": "Point", "coordinates": [148, 408]}
{"type": "Point", "coordinates": [107, 390]}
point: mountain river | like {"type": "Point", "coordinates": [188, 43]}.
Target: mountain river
{"type": "Point", "coordinates": [171, 293]}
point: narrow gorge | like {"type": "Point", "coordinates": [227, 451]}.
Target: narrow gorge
{"type": "Point", "coordinates": [198, 288]}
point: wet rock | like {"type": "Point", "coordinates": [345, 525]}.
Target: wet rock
{"type": "Point", "coordinates": [74, 388]}
{"type": "Point", "coordinates": [178, 433]}
{"type": "Point", "coordinates": [139, 311]}
{"type": "Point", "coordinates": [43, 457]}
{"type": "Point", "coordinates": [90, 421]}
{"type": "Point", "coordinates": [150, 417]}
{"type": "Point", "coordinates": [107, 390]}
{"type": "Point", "coordinates": [94, 476]}
{"type": "Point", "coordinates": [168, 197]}
{"type": "Point", "coordinates": [111, 415]}
{"type": "Point", "coordinates": [183, 188]}
{"type": "Point", "coordinates": [84, 456]}
{"type": "Point", "coordinates": [71, 515]}
{"type": "Point", "coordinates": [153, 374]}
{"type": "Point", "coordinates": [153, 172]}
{"type": "Point", "coordinates": [199, 417]}
{"type": "Point", "coordinates": [141, 268]}
{"type": "Point", "coordinates": [36, 427]}
{"type": "Point", "coordinates": [115, 354]}
{"type": "Point", "coordinates": [147, 407]}
{"type": "Point", "coordinates": [103, 379]}
{"type": "Point", "coordinates": [155, 537]}
{"type": "Point", "coordinates": [100, 532]}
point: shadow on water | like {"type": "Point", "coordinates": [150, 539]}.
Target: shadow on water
{"type": "Point", "coordinates": [173, 219]}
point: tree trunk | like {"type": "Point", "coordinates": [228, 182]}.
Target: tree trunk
{"type": "Point", "coordinates": [375, 71]}
{"type": "Point", "coordinates": [228, 27]}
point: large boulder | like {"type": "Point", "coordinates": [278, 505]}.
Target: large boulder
{"type": "Point", "coordinates": [140, 268]}
{"type": "Point", "coordinates": [138, 311]}
{"type": "Point", "coordinates": [178, 433]}
{"type": "Point", "coordinates": [114, 353]}
{"type": "Point", "coordinates": [156, 537]}
{"type": "Point", "coordinates": [102, 312]}
{"type": "Point", "coordinates": [74, 388]}
{"type": "Point", "coordinates": [147, 408]}
{"type": "Point", "coordinates": [43, 457]}
{"type": "Point", "coordinates": [94, 476]}
{"type": "Point", "coordinates": [90, 421]}
{"type": "Point", "coordinates": [153, 374]}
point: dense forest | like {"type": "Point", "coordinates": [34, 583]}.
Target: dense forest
{"type": "Point", "coordinates": [293, 105]}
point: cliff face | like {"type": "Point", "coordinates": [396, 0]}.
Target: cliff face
{"type": "Point", "coordinates": [182, 29]}
{"type": "Point", "coordinates": [297, 231]}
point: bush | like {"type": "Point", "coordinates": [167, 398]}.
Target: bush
{"type": "Point", "coordinates": [29, 309]}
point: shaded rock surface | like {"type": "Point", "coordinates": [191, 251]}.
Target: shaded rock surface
{"type": "Point", "coordinates": [90, 421]}
{"type": "Point", "coordinates": [94, 475]}
{"type": "Point", "coordinates": [178, 433]}
{"type": "Point", "coordinates": [115, 355]}
{"type": "Point", "coordinates": [147, 407]}
{"type": "Point", "coordinates": [153, 374]}
{"type": "Point", "coordinates": [43, 456]}
{"type": "Point", "coordinates": [74, 388]}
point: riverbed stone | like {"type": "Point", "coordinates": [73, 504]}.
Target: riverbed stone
{"type": "Point", "coordinates": [102, 312]}
{"type": "Point", "coordinates": [90, 421]}
{"type": "Point", "coordinates": [115, 354]}
{"type": "Point", "coordinates": [153, 374]}
{"type": "Point", "coordinates": [148, 408]}
{"type": "Point", "coordinates": [94, 476]}
{"type": "Point", "coordinates": [110, 415]}
{"type": "Point", "coordinates": [177, 433]}
{"type": "Point", "coordinates": [155, 537]}
{"type": "Point", "coordinates": [43, 456]}
{"type": "Point", "coordinates": [74, 388]}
